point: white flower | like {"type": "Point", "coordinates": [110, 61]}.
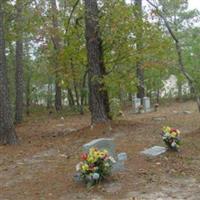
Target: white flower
{"type": "Point", "coordinates": [164, 137]}
{"type": "Point", "coordinates": [78, 166]}
{"type": "Point", "coordinates": [95, 176]}
{"type": "Point", "coordinates": [107, 165]}
{"type": "Point", "coordinates": [173, 144]}
{"type": "Point", "coordinates": [167, 135]}
{"type": "Point", "coordinates": [112, 159]}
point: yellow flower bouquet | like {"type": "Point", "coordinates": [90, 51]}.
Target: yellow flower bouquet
{"type": "Point", "coordinates": [171, 137]}
{"type": "Point", "coordinates": [95, 166]}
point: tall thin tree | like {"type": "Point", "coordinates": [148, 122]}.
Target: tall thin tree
{"type": "Point", "coordinates": [19, 64]}
{"type": "Point", "coordinates": [56, 43]}
{"type": "Point", "coordinates": [98, 96]}
{"type": "Point", "coordinates": [7, 130]}
{"type": "Point", "coordinates": [139, 46]}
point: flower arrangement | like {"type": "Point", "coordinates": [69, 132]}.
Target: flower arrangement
{"type": "Point", "coordinates": [95, 166]}
{"type": "Point", "coordinates": [171, 137]}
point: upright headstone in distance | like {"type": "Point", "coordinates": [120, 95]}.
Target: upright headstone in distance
{"type": "Point", "coordinates": [136, 104]}
{"type": "Point", "coordinates": [146, 102]}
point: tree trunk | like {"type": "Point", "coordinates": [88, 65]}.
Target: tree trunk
{"type": "Point", "coordinates": [58, 97]}
{"type": "Point", "coordinates": [179, 91]}
{"type": "Point", "coordinates": [76, 95]}
{"type": "Point", "coordinates": [98, 97]}
{"type": "Point", "coordinates": [56, 44]}
{"type": "Point", "coordinates": [139, 45]}
{"type": "Point", "coordinates": [74, 83]}
{"type": "Point", "coordinates": [158, 96]}
{"type": "Point", "coordinates": [49, 93]}
{"type": "Point", "coordinates": [70, 97]}
{"type": "Point", "coordinates": [19, 65]}
{"type": "Point", "coordinates": [83, 94]}
{"type": "Point", "coordinates": [28, 95]}
{"type": "Point", "coordinates": [130, 97]}
{"type": "Point", "coordinates": [7, 130]}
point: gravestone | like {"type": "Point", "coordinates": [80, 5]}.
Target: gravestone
{"type": "Point", "coordinates": [122, 156]}
{"type": "Point", "coordinates": [154, 151]}
{"type": "Point", "coordinates": [112, 187]}
{"type": "Point", "coordinates": [159, 119]}
{"type": "Point", "coordinates": [101, 143]}
{"type": "Point", "coordinates": [119, 165]}
{"type": "Point", "coordinates": [108, 144]}
{"type": "Point", "coordinates": [147, 105]}
{"type": "Point", "coordinates": [136, 104]}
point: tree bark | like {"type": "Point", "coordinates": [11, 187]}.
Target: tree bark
{"type": "Point", "coordinates": [56, 43]}
{"type": "Point", "coordinates": [58, 97]}
{"type": "Point", "coordinates": [49, 93]}
{"type": "Point", "coordinates": [70, 97]}
{"type": "Point", "coordinates": [83, 94]}
{"type": "Point", "coordinates": [74, 83]}
{"type": "Point", "coordinates": [139, 45]}
{"type": "Point", "coordinates": [158, 96]}
{"type": "Point", "coordinates": [28, 94]}
{"type": "Point", "coordinates": [98, 96]}
{"type": "Point", "coordinates": [180, 91]}
{"type": "Point", "coordinates": [19, 65]}
{"type": "Point", "coordinates": [7, 130]}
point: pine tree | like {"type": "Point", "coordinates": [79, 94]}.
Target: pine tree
{"type": "Point", "coordinates": [7, 130]}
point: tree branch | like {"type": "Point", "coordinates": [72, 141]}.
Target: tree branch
{"type": "Point", "coordinates": [164, 19]}
{"type": "Point", "coordinates": [71, 14]}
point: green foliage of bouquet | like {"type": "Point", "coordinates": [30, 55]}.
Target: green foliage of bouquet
{"type": "Point", "coordinates": [95, 166]}
{"type": "Point", "coordinates": [171, 137]}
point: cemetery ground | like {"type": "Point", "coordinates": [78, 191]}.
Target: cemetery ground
{"type": "Point", "coordinates": [43, 165]}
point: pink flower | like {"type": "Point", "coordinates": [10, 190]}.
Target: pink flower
{"type": "Point", "coordinates": [84, 156]}
{"type": "Point", "coordinates": [173, 130]}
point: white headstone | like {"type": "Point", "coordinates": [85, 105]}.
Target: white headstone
{"type": "Point", "coordinates": [146, 102]}
{"type": "Point", "coordinates": [136, 104]}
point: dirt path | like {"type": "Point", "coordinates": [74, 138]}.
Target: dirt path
{"type": "Point", "coordinates": [42, 167]}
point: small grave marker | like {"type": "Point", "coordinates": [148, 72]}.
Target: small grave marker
{"type": "Point", "coordinates": [159, 119]}
{"type": "Point", "coordinates": [122, 156]}
{"type": "Point", "coordinates": [154, 151]}
{"type": "Point", "coordinates": [187, 112]}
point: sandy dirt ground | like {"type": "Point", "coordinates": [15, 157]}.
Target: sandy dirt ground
{"type": "Point", "coordinates": [43, 165]}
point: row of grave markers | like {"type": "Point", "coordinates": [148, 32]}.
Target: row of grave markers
{"type": "Point", "coordinates": [137, 102]}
